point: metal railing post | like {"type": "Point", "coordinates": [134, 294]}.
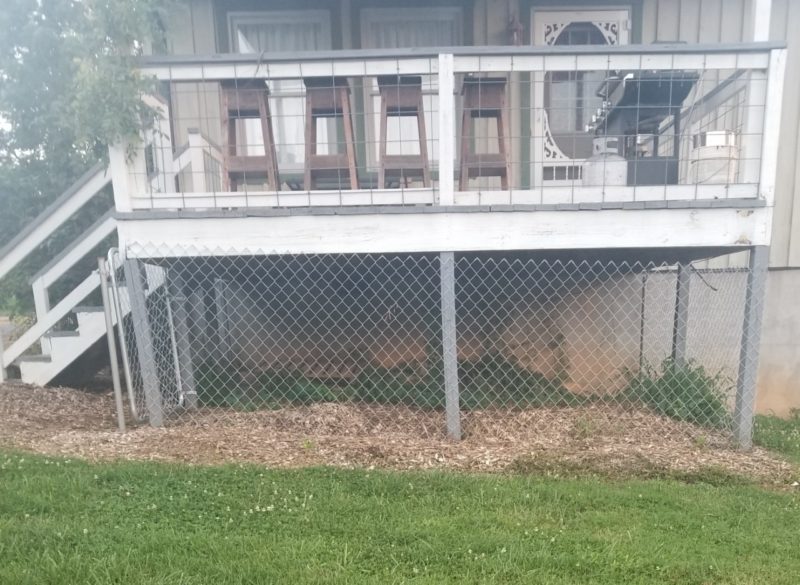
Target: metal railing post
{"type": "Point", "coordinates": [112, 344]}
{"type": "Point", "coordinates": [680, 325]}
{"type": "Point", "coordinates": [123, 344]}
{"type": "Point", "coordinates": [180, 331]}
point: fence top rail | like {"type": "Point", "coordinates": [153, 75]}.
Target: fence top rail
{"type": "Point", "coordinates": [158, 62]}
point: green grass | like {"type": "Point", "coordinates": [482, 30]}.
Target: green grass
{"type": "Point", "coordinates": [780, 435]}
{"type": "Point", "coordinates": [73, 522]}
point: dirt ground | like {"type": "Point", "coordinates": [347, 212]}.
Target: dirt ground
{"type": "Point", "coordinates": [600, 439]}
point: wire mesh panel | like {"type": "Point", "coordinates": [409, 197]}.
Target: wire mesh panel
{"type": "Point", "coordinates": [556, 125]}
{"type": "Point", "coordinates": [538, 339]}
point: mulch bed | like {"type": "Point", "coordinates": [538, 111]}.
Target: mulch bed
{"type": "Point", "coordinates": [593, 439]}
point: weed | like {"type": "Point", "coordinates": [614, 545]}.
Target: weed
{"type": "Point", "coordinates": [584, 428]}
{"type": "Point", "coordinates": [683, 392]}
{"type": "Point", "coordinates": [779, 434]}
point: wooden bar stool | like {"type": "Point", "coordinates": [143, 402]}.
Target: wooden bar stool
{"type": "Point", "coordinates": [329, 97]}
{"type": "Point", "coordinates": [484, 98]}
{"type": "Point", "coordinates": [401, 96]}
{"type": "Point", "coordinates": [247, 100]}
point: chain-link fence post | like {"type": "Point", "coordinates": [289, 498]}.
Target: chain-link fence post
{"type": "Point", "coordinates": [751, 338]}
{"type": "Point", "coordinates": [223, 326]}
{"type": "Point", "coordinates": [680, 325]}
{"type": "Point", "coordinates": [185, 365]}
{"type": "Point", "coordinates": [449, 349]}
{"type": "Point", "coordinates": [144, 341]}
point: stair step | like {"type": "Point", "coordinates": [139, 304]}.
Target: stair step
{"type": "Point", "coordinates": [64, 334]}
{"type": "Point", "coordinates": [34, 359]}
{"type": "Point", "coordinates": [87, 309]}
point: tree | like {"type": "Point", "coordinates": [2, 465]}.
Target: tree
{"type": "Point", "coordinates": [68, 88]}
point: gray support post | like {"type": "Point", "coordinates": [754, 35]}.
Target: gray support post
{"type": "Point", "coordinates": [182, 341]}
{"type": "Point", "coordinates": [680, 325]}
{"type": "Point", "coordinates": [2, 365]}
{"type": "Point", "coordinates": [223, 335]}
{"type": "Point", "coordinates": [144, 342]}
{"type": "Point", "coordinates": [751, 339]}
{"type": "Point", "coordinates": [449, 348]}
{"type": "Point", "coordinates": [112, 343]}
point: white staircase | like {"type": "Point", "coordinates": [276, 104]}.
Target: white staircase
{"type": "Point", "coordinates": [60, 349]}
{"type": "Point", "coordinates": [65, 347]}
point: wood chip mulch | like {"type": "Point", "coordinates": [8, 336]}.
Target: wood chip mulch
{"type": "Point", "coordinates": [597, 439]}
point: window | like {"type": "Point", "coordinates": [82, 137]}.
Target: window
{"type": "Point", "coordinates": [282, 31]}
{"type": "Point", "coordinates": [394, 28]}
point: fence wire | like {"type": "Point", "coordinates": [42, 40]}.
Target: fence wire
{"type": "Point", "coordinates": [537, 338]}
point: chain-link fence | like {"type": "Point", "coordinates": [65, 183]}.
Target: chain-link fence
{"type": "Point", "coordinates": [537, 338]}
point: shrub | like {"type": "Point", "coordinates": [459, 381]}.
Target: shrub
{"type": "Point", "coordinates": [683, 392]}
{"type": "Point", "coordinates": [495, 381]}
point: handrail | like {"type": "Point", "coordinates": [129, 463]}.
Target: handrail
{"type": "Point", "coordinates": [160, 61]}
{"type": "Point", "coordinates": [53, 217]}
{"type": "Point", "coordinates": [76, 250]}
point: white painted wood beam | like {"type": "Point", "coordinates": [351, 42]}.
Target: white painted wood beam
{"type": "Point", "coordinates": [772, 126]}
{"type": "Point", "coordinates": [447, 130]}
{"type": "Point", "coordinates": [450, 231]}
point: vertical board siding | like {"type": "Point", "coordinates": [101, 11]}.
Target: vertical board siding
{"type": "Point", "coordinates": [649, 21]}
{"type": "Point", "coordinates": [788, 185]}
{"type": "Point", "coordinates": [668, 19]}
{"type": "Point", "coordinates": [689, 23]}
{"type": "Point", "coordinates": [727, 21]}
{"type": "Point", "coordinates": [710, 13]}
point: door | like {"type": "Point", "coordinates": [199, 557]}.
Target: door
{"type": "Point", "coordinates": [564, 101]}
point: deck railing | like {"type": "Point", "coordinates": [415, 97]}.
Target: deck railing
{"type": "Point", "coordinates": [461, 126]}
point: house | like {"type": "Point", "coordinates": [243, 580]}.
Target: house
{"type": "Point", "coordinates": [575, 156]}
